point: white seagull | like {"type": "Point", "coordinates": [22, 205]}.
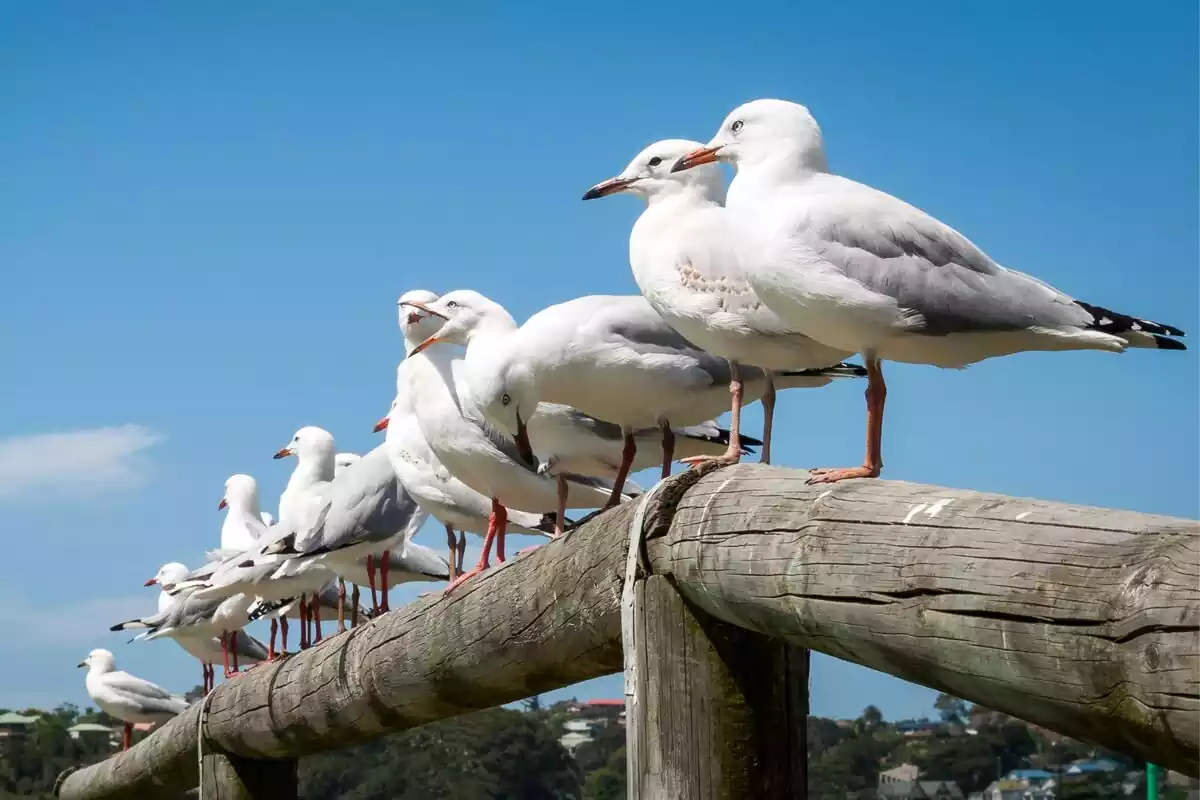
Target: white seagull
{"type": "Point", "coordinates": [129, 699]}
{"type": "Point", "coordinates": [860, 270]}
{"type": "Point", "coordinates": [365, 514]}
{"type": "Point", "coordinates": [612, 357]}
{"type": "Point", "coordinates": [484, 459]}
{"type": "Point", "coordinates": [687, 268]}
{"type": "Point", "coordinates": [203, 646]}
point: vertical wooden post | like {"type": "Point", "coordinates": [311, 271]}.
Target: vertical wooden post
{"type": "Point", "coordinates": [226, 777]}
{"type": "Point", "coordinates": [721, 712]}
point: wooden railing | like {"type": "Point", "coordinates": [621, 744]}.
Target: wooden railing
{"type": "Point", "coordinates": [1083, 620]}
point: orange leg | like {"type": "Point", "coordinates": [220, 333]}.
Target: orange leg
{"type": "Point", "coordinates": [873, 463]}
{"type": "Point", "coordinates": [497, 522]}
{"type": "Point", "coordinates": [733, 453]}
{"type": "Point", "coordinates": [768, 402]}
{"type": "Point", "coordinates": [371, 581]}
{"type": "Point", "coordinates": [627, 454]}
{"type": "Point", "coordinates": [451, 542]}
{"type": "Point", "coordinates": [385, 563]}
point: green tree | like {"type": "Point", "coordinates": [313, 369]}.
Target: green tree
{"type": "Point", "coordinates": [604, 784]}
{"type": "Point", "coordinates": [951, 708]}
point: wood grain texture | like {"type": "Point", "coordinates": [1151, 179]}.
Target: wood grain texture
{"type": "Point", "coordinates": [544, 620]}
{"type": "Point", "coordinates": [722, 711]}
{"type": "Point", "coordinates": [1084, 620]}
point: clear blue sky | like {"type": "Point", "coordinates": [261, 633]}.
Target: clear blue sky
{"type": "Point", "coordinates": [209, 210]}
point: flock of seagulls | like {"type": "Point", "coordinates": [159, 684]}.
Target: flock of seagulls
{"type": "Point", "coordinates": [766, 285]}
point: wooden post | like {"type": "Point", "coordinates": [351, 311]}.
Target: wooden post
{"type": "Point", "coordinates": [226, 777]}
{"type": "Point", "coordinates": [722, 712]}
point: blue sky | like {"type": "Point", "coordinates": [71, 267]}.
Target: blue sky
{"type": "Point", "coordinates": [209, 210]}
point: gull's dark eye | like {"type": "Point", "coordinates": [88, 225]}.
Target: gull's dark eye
{"type": "Point", "coordinates": [736, 126]}
{"type": "Point", "coordinates": [452, 304]}
{"type": "Point", "coordinates": [654, 162]}
{"type": "Point", "coordinates": [505, 400]}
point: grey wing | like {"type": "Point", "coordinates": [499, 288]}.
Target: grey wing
{"type": "Point", "coordinates": [148, 697]}
{"type": "Point", "coordinates": [366, 503]}
{"type": "Point", "coordinates": [578, 419]}
{"type": "Point", "coordinates": [941, 282]}
{"type": "Point", "coordinates": [631, 322]}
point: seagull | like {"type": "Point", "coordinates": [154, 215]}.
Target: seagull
{"type": "Point", "coordinates": [186, 616]}
{"type": "Point", "coordinates": [565, 440]}
{"type": "Point", "coordinates": [129, 699]}
{"type": "Point", "coordinates": [612, 357]}
{"type": "Point", "coordinates": [315, 454]}
{"type": "Point", "coordinates": [687, 268]}
{"type": "Point", "coordinates": [206, 648]}
{"type": "Point", "coordinates": [244, 522]}
{"type": "Point", "coordinates": [482, 458]}
{"type": "Point", "coordinates": [860, 270]}
{"type": "Point", "coordinates": [365, 513]}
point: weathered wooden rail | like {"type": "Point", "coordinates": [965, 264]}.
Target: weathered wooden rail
{"type": "Point", "coordinates": [1084, 620]}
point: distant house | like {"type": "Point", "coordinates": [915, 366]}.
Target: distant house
{"type": "Point", "coordinates": [1006, 789]}
{"type": "Point", "coordinates": [13, 724]}
{"type": "Point", "coordinates": [1094, 767]}
{"type": "Point", "coordinates": [904, 772]}
{"type": "Point", "coordinates": [90, 730]}
{"type": "Point", "coordinates": [604, 710]}
{"type": "Point", "coordinates": [578, 731]}
{"type": "Point", "coordinates": [917, 728]}
{"type": "Point", "coordinates": [918, 790]}
{"type": "Point", "coordinates": [1031, 775]}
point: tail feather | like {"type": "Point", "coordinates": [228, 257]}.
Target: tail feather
{"type": "Point", "coordinates": [711, 432]}
{"type": "Point", "coordinates": [842, 370]}
{"type": "Point", "coordinates": [1118, 324]}
{"type": "Point", "coordinates": [547, 523]}
{"type": "Point", "coordinates": [130, 625]}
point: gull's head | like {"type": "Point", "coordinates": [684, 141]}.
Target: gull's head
{"type": "Point", "coordinates": [343, 460]}
{"type": "Point", "coordinates": [649, 175]}
{"type": "Point", "coordinates": [761, 131]}
{"type": "Point", "coordinates": [241, 492]}
{"type": "Point", "coordinates": [416, 324]}
{"type": "Point", "coordinates": [506, 393]}
{"type": "Point", "coordinates": [100, 660]}
{"type": "Point", "coordinates": [168, 575]}
{"type": "Point", "coordinates": [310, 442]}
{"type": "Point", "coordinates": [462, 312]}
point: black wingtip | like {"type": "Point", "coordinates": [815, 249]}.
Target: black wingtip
{"type": "Point", "coordinates": [1166, 343]}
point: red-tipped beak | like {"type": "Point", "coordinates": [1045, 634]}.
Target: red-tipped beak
{"type": "Point", "coordinates": [423, 307]}
{"type": "Point", "coordinates": [222, 504]}
{"type": "Point", "coordinates": [284, 453]}
{"type": "Point", "coordinates": [705, 155]}
{"type": "Point", "coordinates": [150, 582]}
{"type": "Point", "coordinates": [430, 341]}
{"type": "Point", "coordinates": [381, 425]}
{"type": "Point", "coordinates": [610, 186]}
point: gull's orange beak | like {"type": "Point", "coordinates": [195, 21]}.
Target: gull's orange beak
{"type": "Point", "coordinates": [150, 582]}
{"type": "Point", "coordinates": [284, 453]}
{"type": "Point", "coordinates": [610, 186]}
{"type": "Point", "coordinates": [381, 425]}
{"type": "Point", "coordinates": [705, 155]}
{"type": "Point", "coordinates": [222, 504]}
{"type": "Point", "coordinates": [430, 341]}
{"type": "Point", "coordinates": [423, 307]}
